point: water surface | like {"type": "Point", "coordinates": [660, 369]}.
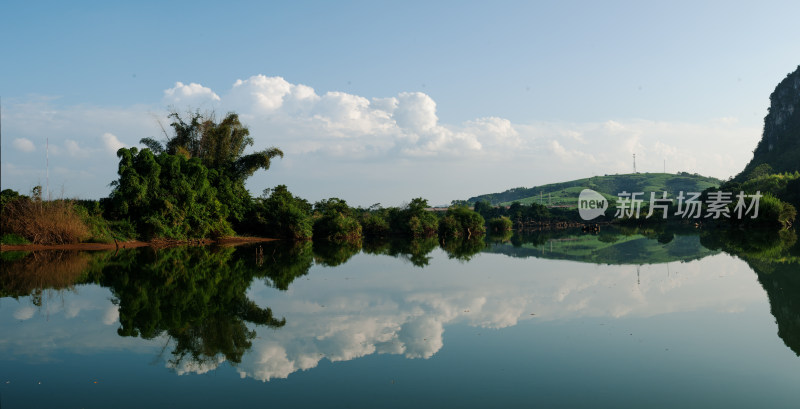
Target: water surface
{"type": "Point", "coordinates": [628, 318]}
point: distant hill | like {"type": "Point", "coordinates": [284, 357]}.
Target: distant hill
{"type": "Point", "coordinates": [779, 148]}
{"type": "Point", "coordinates": [566, 193]}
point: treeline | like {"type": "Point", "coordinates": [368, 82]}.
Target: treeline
{"type": "Point", "coordinates": [278, 213]}
{"type": "Point", "coordinates": [191, 185]}
{"type": "Point", "coordinates": [781, 196]}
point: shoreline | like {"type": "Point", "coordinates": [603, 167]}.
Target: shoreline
{"type": "Point", "coordinates": [227, 241]}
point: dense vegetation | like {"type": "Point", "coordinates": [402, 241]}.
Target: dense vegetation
{"type": "Point", "coordinates": [192, 185]}
{"type": "Point", "coordinates": [278, 213]}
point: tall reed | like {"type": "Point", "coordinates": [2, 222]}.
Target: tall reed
{"type": "Point", "coordinates": [43, 221]}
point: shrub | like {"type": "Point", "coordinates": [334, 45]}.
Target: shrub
{"type": "Point", "coordinates": [335, 221]}
{"type": "Point", "coordinates": [413, 220]}
{"type": "Point", "coordinates": [337, 227]}
{"type": "Point", "coordinates": [281, 214]}
{"type": "Point", "coordinates": [8, 195]}
{"type": "Point", "coordinates": [460, 221]}
{"type": "Point", "coordinates": [774, 211]}
{"type": "Point", "coordinates": [500, 224]}
{"type": "Point", "coordinates": [374, 225]}
{"type": "Point", "coordinates": [167, 196]}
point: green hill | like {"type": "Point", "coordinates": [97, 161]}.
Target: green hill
{"type": "Point", "coordinates": [566, 193]}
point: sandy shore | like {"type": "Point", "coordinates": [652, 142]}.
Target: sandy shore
{"type": "Point", "coordinates": [228, 241]}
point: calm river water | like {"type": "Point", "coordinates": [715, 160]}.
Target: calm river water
{"type": "Point", "coordinates": [627, 318]}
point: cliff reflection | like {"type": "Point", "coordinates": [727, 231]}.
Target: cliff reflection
{"type": "Point", "coordinates": [775, 258]}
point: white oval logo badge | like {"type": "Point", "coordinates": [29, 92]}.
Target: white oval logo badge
{"type": "Point", "coordinates": [591, 204]}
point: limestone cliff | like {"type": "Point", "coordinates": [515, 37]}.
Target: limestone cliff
{"type": "Point", "coordinates": [779, 148]}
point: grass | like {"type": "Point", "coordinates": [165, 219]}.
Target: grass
{"type": "Point", "coordinates": [566, 193]}
{"type": "Point", "coordinates": [36, 221]}
{"type": "Point", "coordinates": [44, 222]}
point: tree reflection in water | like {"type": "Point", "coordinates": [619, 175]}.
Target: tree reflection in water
{"type": "Point", "coordinates": [417, 250]}
{"type": "Point", "coordinates": [196, 295]}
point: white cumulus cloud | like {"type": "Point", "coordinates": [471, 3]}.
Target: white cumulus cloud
{"type": "Point", "coordinates": [384, 143]}
{"type": "Point", "coordinates": [191, 94]}
{"type": "Point", "coordinates": [74, 149]}
{"type": "Point", "coordinates": [24, 145]}
{"type": "Point", "coordinates": [262, 93]}
{"type": "Point", "coordinates": [415, 112]}
{"type": "Point", "coordinates": [25, 313]}
{"type": "Point", "coordinates": [111, 142]}
{"type": "Point", "coordinates": [342, 124]}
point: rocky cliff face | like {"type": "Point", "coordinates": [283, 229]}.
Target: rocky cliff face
{"type": "Point", "coordinates": [779, 147]}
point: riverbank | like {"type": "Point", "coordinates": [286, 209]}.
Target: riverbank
{"type": "Point", "coordinates": [227, 241]}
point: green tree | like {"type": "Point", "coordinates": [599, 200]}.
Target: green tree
{"type": "Point", "coordinates": [280, 214]}
{"type": "Point", "coordinates": [414, 220]}
{"type": "Point", "coordinates": [221, 148]}
{"type": "Point", "coordinates": [167, 196]}
{"type": "Point", "coordinates": [460, 221]}
{"type": "Point", "coordinates": [500, 224]}
{"type": "Point", "coordinates": [335, 221]}
{"type": "Point", "coordinates": [375, 224]}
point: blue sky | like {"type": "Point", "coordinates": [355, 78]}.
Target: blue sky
{"type": "Point", "coordinates": [382, 102]}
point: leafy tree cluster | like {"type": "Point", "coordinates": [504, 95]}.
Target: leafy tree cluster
{"type": "Point", "coordinates": [334, 220]}
{"type": "Point", "coordinates": [413, 220]}
{"type": "Point", "coordinates": [280, 214]}
{"type": "Point", "coordinates": [192, 184]}
{"type": "Point", "coordinates": [375, 223]}
{"type": "Point", "coordinates": [781, 197]}
{"type": "Point", "coordinates": [167, 196]}
{"type": "Point", "coordinates": [460, 221]}
{"type": "Point", "coordinates": [518, 213]}
{"type": "Point", "coordinates": [500, 224]}
{"type": "Point", "coordinates": [410, 221]}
